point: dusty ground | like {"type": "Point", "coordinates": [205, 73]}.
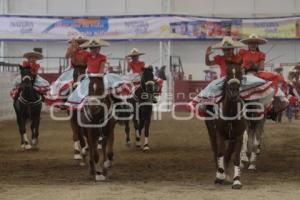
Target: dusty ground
{"type": "Point", "coordinates": [179, 166]}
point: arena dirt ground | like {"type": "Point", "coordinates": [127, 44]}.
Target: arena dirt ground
{"type": "Point", "coordinates": [179, 166]}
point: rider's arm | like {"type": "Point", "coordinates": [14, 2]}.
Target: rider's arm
{"type": "Point", "coordinates": [128, 63]}
{"type": "Point", "coordinates": [261, 64]}
{"type": "Point", "coordinates": [209, 62]}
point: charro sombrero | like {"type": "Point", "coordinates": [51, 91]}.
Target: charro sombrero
{"type": "Point", "coordinates": [34, 54]}
{"type": "Point", "coordinates": [228, 43]}
{"type": "Point", "coordinates": [95, 43]}
{"type": "Point", "coordinates": [254, 39]}
{"type": "Point", "coordinates": [79, 39]}
{"type": "Point", "coordinates": [135, 52]}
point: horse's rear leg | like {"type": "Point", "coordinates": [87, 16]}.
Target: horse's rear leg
{"type": "Point", "coordinates": [237, 171]}
{"type": "Point", "coordinates": [146, 142]}
{"type": "Point", "coordinates": [251, 153]}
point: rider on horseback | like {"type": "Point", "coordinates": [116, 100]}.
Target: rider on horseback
{"type": "Point", "coordinates": [253, 62]}
{"type": "Point", "coordinates": [136, 67]}
{"type": "Point", "coordinates": [40, 84]}
{"type": "Point", "coordinates": [252, 87]}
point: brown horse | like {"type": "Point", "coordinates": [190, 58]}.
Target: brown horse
{"type": "Point", "coordinates": [96, 118]}
{"type": "Point", "coordinates": [228, 126]}
{"type": "Point", "coordinates": [80, 145]}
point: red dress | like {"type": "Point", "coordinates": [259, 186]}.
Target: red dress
{"type": "Point", "coordinates": [81, 56]}
{"type": "Point", "coordinates": [221, 61]}
{"type": "Point", "coordinates": [94, 63]}
{"type": "Point", "coordinates": [34, 67]}
{"type": "Point", "coordinates": [136, 67]}
{"type": "Point", "coordinates": [251, 57]}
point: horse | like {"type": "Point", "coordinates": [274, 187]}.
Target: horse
{"type": "Point", "coordinates": [228, 126]}
{"type": "Point", "coordinates": [142, 109]}
{"type": "Point", "coordinates": [28, 106]}
{"type": "Point", "coordinates": [80, 144]}
{"type": "Point", "coordinates": [96, 119]}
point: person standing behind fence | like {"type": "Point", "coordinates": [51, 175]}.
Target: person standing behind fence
{"type": "Point", "coordinates": [293, 103]}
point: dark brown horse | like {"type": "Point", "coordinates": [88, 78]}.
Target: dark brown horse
{"type": "Point", "coordinates": [228, 126]}
{"type": "Point", "coordinates": [142, 104]}
{"type": "Point", "coordinates": [96, 118]}
{"type": "Point", "coordinates": [28, 106]}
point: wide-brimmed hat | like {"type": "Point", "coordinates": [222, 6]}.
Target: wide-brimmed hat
{"type": "Point", "coordinates": [135, 52]}
{"type": "Point", "coordinates": [34, 54]}
{"type": "Point", "coordinates": [254, 39]}
{"type": "Point", "coordinates": [79, 39]}
{"type": "Point", "coordinates": [228, 43]}
{"type": "Point", "coordinates": [96, 42]}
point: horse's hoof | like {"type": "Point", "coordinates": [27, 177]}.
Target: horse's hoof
{"type": "Point", "coordinates": [146, 148]}
{"type": "Point", "coordinates": [244, 158]}
{"type": "Point", "coordinates": [27, 147]}
{"type": "Point", "coordinates": [219, 181]}
{"type": "Point", "coordinates": [77, 156]}
{"type": "Point", "coordinates": [138, 144]}
{"type": "Point", "coordinates": [82, 164]}
{"type": "Point", "coordinates": [100, 177]}
{"type": "Point", "coordinates": [84, 151]}
{"type": "Point", "coordinates": [128, 144]}
{"type": "Point", "coordinates": [252, 167]}
{"type": "Point", "coordinates": [107, 164]}
{"type": "Point", "coordinates": [237, 185]}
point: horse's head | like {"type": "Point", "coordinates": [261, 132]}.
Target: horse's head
{"type": "Point", "coordinates": [96, 94]}
{"type": "Point", "coordinates": [147, 80]}
{"type": "Point", "coordinates": [233, 81]}
{"type": "Point", "coordinates": [27, 78]}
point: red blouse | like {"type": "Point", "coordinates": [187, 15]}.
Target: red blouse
{"type": "Point", "coordinates": [136, 67]}
{"type": "Point", "coordinates": [94, 63]}
{"type": "Point", "coordinates": [81, 56]}
{"type": "Point", "coordinates": [251, 57]}
{"type": "Point", "coordinates": [34, 67]}
{"type": "Point", "coordinates": [221, 61]}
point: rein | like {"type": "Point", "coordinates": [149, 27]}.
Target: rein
{"type": "Point", "coordinates": [26, 102]}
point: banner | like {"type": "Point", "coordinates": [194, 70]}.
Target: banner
{"type": "Point", "coordinates": [148, 27]}
{"type": "Point", "coordinates": [270, 28]}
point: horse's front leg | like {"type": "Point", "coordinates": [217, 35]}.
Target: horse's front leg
{"type": "Point", "coordinates": [25, 144]}
{"type": "Point", "coordinates": [147, 128]}
{"type": "Point", "coordinates": [35, 132]}
{"type": "Point", "coordinates": [95, 165]}
{"type": "Point", "coordinates": [109, 154]}
{"type": "Point", "coordinates": [220, 174]}
{"type": "Point", "coordinates": [141, 124]}
{"type": "Point", "coordinates": [137, 133]}
{"type": "Point", "coordinates": [127, 132]}
{"type": "Point", "coordinates": [211, 128]}
{"type": "Point", "coordinates": [237, 171]}
{"type": "Point", "coordinates": [75, 130]}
